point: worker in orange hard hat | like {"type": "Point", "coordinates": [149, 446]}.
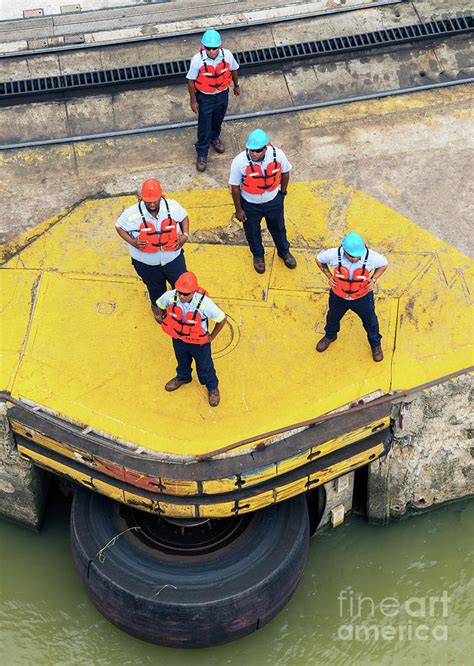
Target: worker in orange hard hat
{"type": "Point", "coordinates": [184, 314]}
{"type": "Point", "coordinates": [155, 230]}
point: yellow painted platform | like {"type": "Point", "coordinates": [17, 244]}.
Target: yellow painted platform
{"type": "Point", "coordinates": [78, 337]}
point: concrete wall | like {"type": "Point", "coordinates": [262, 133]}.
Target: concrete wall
{"type": "Point", "coordinates": [430, 461]}
{"type": "Point", "coordinates": [339, 498]}
{"type": "Point", "coordinates": [23, 487]}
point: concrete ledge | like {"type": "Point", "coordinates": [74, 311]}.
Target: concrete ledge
{"type": "Point", "coordinates": [430, 462]}
{"type": "Point", "coordinates": [23, 486]}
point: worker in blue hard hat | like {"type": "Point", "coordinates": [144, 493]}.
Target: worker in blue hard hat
{"type": "Point", "coordinates": [259, 178]}
{"type": "Point", "coordinates": [356, 270]}
{"type": "Point", "coordinates": [210, 74]}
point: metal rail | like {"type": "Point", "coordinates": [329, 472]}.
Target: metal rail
{"type": "Point", "coordinates": [52, 85]}
{"type": "Point", "coordinates": [195, 31]}
{"type": "Point", "coordinates": [236, 117]}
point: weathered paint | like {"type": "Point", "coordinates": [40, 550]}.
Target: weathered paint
{"type": "Point", "coordinates": [420, 103]}
{"type": "Point", "coordinates": [19, 244]}
{"type": "Point", "coordinates": [197, 508]}
{"type": "Point", "coordinates": [17, 292]}
{"type": "Point", "coordinates": [325, 475]}
{"type": "Point", "coordinates": [59, 468]}
{"type": "Point", "coordinates": [184, 487]}
{"type": "Point", "coordinates": [286, 465]}
{"type": "Point", "coordinates": [71, 359]}
{"type": "Point", "coordinates": [239, 481]}
{"type": "Point", "coordinates": [291, 489]}
{"type": "Point", "coordinates": [333, 445]}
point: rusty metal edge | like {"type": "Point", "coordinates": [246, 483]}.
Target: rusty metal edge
{"type": "Point", "coordinates": [318, 465]}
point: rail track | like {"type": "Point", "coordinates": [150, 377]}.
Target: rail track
{"type": "Point", "coordinates": [285, 59]}
{"type": "Point", "coordinates": [238, 25]}
{"type": "Point", "coordinates": [276, 55]}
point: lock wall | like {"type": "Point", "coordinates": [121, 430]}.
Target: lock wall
{"type": "Point", "coordinates": [430, 460]}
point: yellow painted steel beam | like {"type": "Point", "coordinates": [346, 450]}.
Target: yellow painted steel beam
{"type": "Point", "coordinates": [198, 509]}
{"type": "Point", "coordinates": [183, 487]}
{"type": "Point", "coordinates": [287, 464]}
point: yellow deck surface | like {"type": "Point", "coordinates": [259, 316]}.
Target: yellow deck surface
{"type": "Point", "coordinates": [78, 336]}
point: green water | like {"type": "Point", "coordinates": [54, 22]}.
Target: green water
{"type": "Point", "coordinates": [46, 618]}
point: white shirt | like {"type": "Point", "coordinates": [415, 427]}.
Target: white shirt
{"type": "Point", "coordinates": [199, 60]}
{"type": "Point", "coordinates": [239, 167]}
{"type": "Point", "coordinates": [374, 260]}
{"type": "Point", "coordinates": [131, 219]}
{"type": "Point", "coordinates": [207, 308]}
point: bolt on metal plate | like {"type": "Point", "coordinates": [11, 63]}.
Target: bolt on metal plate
{"type": "Point", "coordinates": [66, 9]}
{"type": "Point", "coordinates": [33, 13]}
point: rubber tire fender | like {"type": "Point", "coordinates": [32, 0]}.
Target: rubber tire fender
{"type": "Point", "coordinates": [188, 601]}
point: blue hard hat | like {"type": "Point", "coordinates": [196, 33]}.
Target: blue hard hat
{"type": "Point", "coordinates": [257, 139]}
{"type": "Point", "coordinates": [211, 39]}
{"type": "Point", "coordinates": [353, 244]}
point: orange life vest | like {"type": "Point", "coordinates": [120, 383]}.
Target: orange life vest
{"type": "Point", "coordinates": [164, 239]}
{"type": "Point", "coordinates": [188, 328]}
{"type": "Point", "coordinates": [257, 182]}
{"type": "Point", "coordinates": [213, 78]}
{"type": "Point", "coordinates": [351, 288]}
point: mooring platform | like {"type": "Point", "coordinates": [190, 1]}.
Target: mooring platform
{"type": "Point", "coordinates": [78, 336]}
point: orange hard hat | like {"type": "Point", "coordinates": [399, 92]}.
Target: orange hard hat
{"type": "Point", "coordinates": [151, 190]}
{"type": "Point", "coordinates": [187, 283]}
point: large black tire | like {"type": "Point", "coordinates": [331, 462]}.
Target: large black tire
{"type": "Point", "coordinates": [224, 587]}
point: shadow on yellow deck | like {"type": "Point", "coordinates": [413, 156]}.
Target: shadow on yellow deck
{"type": "Point", "coordinates": [78, 336]}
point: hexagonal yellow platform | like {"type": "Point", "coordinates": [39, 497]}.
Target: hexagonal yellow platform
{"type": "Point", "coordinates": [78, 336]}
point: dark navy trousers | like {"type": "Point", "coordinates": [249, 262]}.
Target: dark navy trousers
{"type": "Point", "coordinates": [274, 213]}
{"type": "Point", "coordinates": [212, 110]}
{"type": "Point", "coordinates": [363, 307]}
{"type": "Point", "coordinates": [155, 277]}
{"type": "Point", "coordinates": [185, 353]}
